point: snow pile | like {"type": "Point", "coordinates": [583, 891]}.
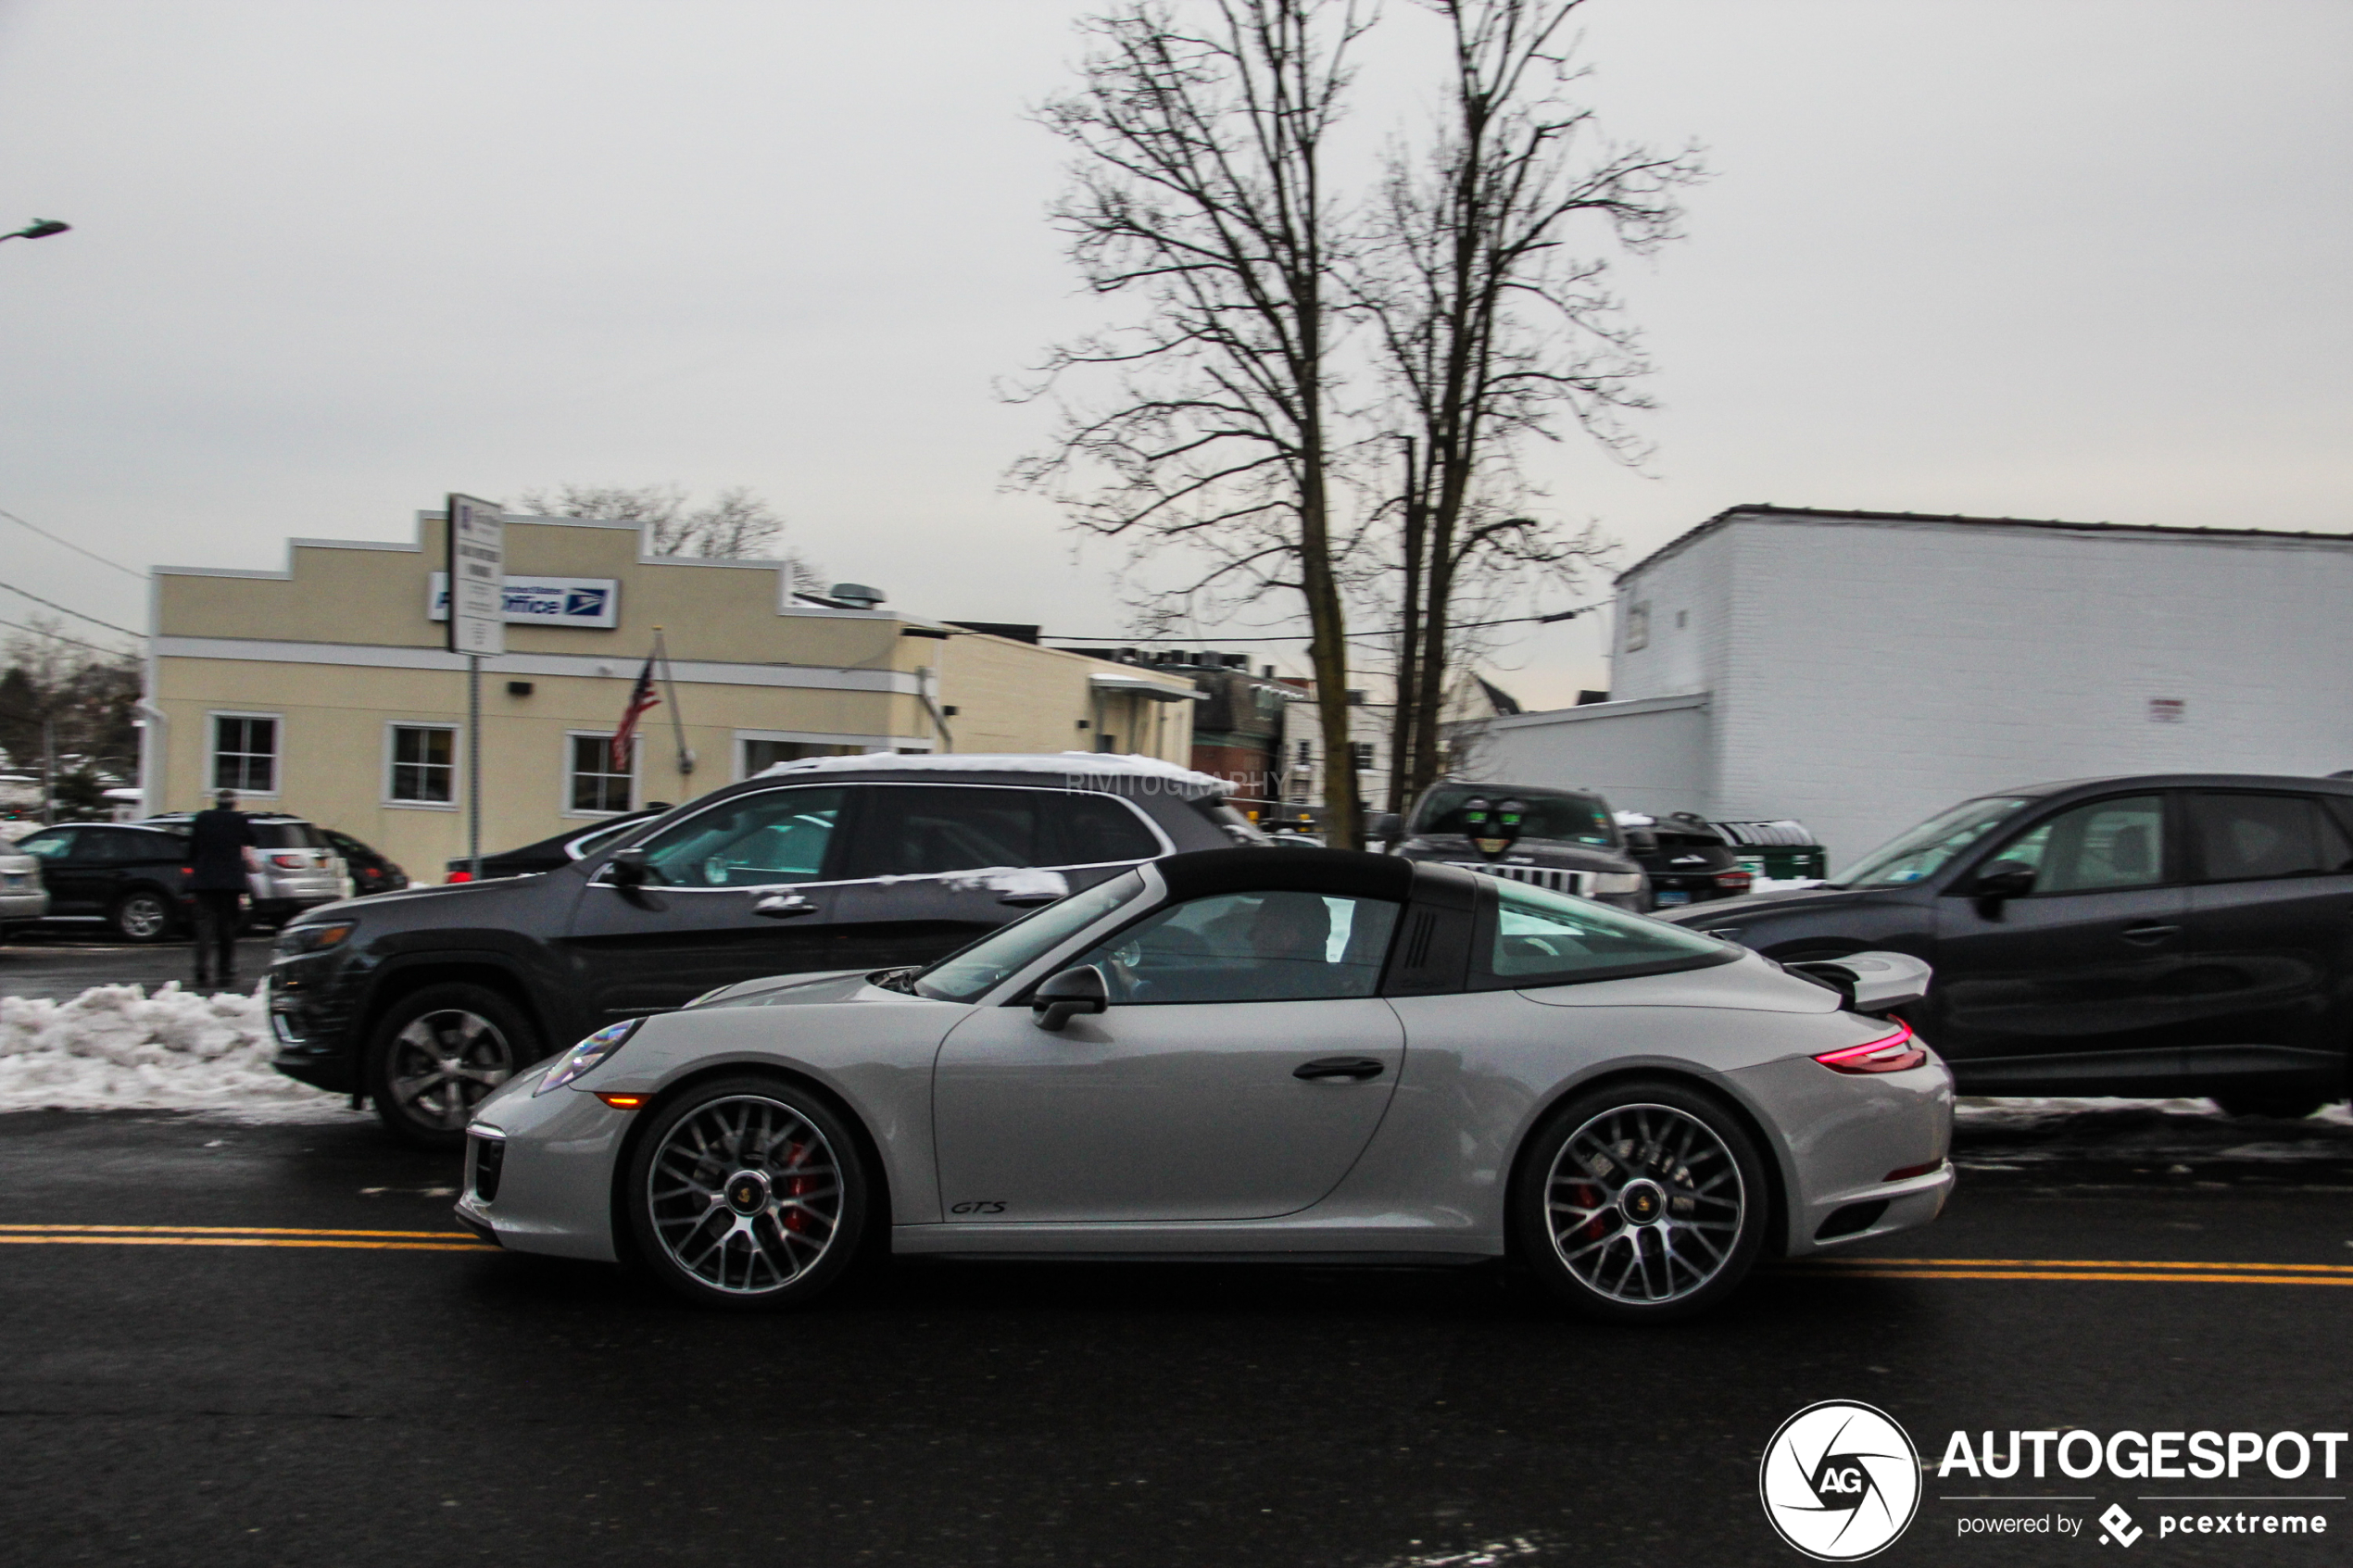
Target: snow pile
{"type": "Point", "coordinates": [114, 1047]}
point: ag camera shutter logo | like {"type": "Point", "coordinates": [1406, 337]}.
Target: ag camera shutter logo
{"type": "Point", "coordinates": [1840, 1481]}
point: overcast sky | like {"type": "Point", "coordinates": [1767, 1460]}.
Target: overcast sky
{"type": "Point", "coordinates": [2006, 258]}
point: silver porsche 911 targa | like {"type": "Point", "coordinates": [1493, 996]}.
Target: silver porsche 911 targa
{"type": "Point", "coordinates": [1284, 1054]}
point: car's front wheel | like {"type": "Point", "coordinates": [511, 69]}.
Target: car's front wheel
{"type": "Point", "coordinates": [141, 915]}
{"type": "Point", "coordinates": [746, 1193]}
{"type": "Point", "coordinates": [441, 1052]}
{"type": "Point", "coordinates": [1642, 1202]}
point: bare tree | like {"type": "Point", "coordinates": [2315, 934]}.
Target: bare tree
{"type": "Point", "coordinates": [737, 524]}
{"type": "Point", "coordinates": [67, 708]}
{"type": "Point", "coordinates": [1200, 190]}
{"type": "Point", "coordinates": [1491, 330]}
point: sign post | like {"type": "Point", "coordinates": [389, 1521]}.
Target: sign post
{"type": "Point", "coordinates": [477, 629]}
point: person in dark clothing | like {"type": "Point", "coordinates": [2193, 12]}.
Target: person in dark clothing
{"type": "Point", "coordinates": [221, 844]}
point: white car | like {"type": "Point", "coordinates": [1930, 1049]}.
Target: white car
{"type": "Point", "coordinates": [23, 899]}
{"type": "Point", "coordinates": [1297, 1054]}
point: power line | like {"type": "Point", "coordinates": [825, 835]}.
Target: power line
{"type": "Point", "coordinates": [77, 642]}
{"type": "Point", "coordinates": [71, 545]}
{"type": "Point", "coordinates": [94, 621]}
{"type": "Point", "coordinates": [1205, 638]}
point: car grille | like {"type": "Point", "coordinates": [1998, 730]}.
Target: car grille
{"type": "Point", "coordinates": [1551, 877]}
{"type": "Point", "coordinates": [490, 1158]}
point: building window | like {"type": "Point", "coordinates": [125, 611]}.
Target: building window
{"type": "Point", "coordinates": [594, 785]}
{"type": "Point", "coordinates": [1638, 626]}
{"type": "Point", "coordinates": [423, 764]}
{"type": "Point", "coordinates": [1362, 751]}
{"type": "Point", "coordinates": [245, 753]}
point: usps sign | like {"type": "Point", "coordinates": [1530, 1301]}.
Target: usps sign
{"type": "Point", "coordinates": [592, 602]}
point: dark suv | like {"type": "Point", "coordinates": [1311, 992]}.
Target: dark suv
{"type": "Point", "coordinates": [425, 1000]}
{"type": "Point", "coordinates": [1687, 858]}
{"type": "Point", "coordinates": [2174, 934]}
{"type": "Point", "coordinates": [132, 879]}
{"type": "Point", "coordinates": [1563, 839]}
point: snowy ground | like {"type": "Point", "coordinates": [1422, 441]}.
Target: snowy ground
{"type": "Point", "coordinates": [117, 1048]}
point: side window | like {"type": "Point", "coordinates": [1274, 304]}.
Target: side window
{"type": "Point", "coordinates": [922, 830]}
{"type": "Point", "coordinates": [2240, 838]}
{"type": "Point", "coordinates": [102, 848]}
{"type": "Point", "coordinates": [1250, 947]}
{"type": "Point", "coordinates": [1551, 938]}
{"type": "Point", "coordinates": [1096, 828]}
{"type": "Point", "coordinates": [52, 846]}
{"type": "Point", "coordinates": [2108, 844]}
{"type": "Point", "coordinates": [777, 836]}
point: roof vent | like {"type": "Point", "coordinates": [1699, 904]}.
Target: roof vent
{"type": "Point", "coordinates": [857, 596]}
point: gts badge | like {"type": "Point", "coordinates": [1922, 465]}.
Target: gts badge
{"type": "Point", "coordinates": [978, 1206]}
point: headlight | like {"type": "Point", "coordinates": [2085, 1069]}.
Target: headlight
{"type": "Point", "coordinates": [1617, 881]}
{"type": "Point", "coordinates": [317, 938]}
{"type": "Point", "coordinates": [588, 1053]}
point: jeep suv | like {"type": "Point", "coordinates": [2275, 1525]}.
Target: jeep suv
{"type": "Point", "coordinates": [425, 1001]}
{"type": "Point", "coordinates": [1563, 839]}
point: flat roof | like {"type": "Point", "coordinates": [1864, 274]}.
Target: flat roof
{"type": "Point", "coordinates": [1734, 514]}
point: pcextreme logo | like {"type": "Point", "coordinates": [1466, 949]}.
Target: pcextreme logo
{"type": "Point", "coordinates": [1840, 1480]}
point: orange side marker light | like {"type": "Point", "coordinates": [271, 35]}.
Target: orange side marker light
{"type": "Point", "coordinates": [624, 1102]}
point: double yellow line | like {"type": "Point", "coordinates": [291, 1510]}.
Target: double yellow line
{"type": "Point", "coordinates": [2121, 1270]}
{"type": "Point", "coordinates": [238, 1235]}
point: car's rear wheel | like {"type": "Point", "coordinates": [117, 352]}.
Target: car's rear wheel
{"type": "Point", "coordinates": [1642, 1202]}
{"type": "Point", "coordinates": [141, 915]}
{"type": "Point", "coordinates": [441, 1052]}
{"type": "Point", "coordinates": [746, 1193]}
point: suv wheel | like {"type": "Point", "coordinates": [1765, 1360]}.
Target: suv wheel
{"type": "Point", "coordinates": [141, 915]}
{"type": "Point", "coordinates": [439, 1053]}
{"type": "Point", "coordinates": [746, 1193]}
{"type": "Point", "coordinates": [1642, 1202]}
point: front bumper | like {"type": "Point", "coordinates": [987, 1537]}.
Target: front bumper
{"type": "Point", "coordinates": [309, 1002]}
{"type": "Point", "coordinates": [22, 909]}
{"type": "Point", "coordinates": [553, 1192]}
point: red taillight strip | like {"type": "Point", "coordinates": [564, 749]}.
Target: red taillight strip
{"type": "Point", "coordinates": [1891, 1053]}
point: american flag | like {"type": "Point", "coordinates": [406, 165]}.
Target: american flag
{"type": "Point", "coordinates": [641, 697]}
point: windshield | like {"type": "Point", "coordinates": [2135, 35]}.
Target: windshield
{"type": "Point", "coordinates": [967, 976]}
{"type": "Point", "coordinates": [1549, 813]}
{"type": "Point", "coordinates": [1927, 847]}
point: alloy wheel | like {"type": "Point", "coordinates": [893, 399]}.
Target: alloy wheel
{"type": "Point", "coordinates": [1644, 1204]}
{"type": "Point", "coordinates": [447, 1062]}
{"type": "Point", "coordinates": [745, 1195]}
{"type": "Point", "coordinates": [141, 917]}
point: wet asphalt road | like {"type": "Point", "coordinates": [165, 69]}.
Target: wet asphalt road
{"type": "Point", "coordinates": [61, 962]}
{"type": "Point", "coordinates": [173, 1404]}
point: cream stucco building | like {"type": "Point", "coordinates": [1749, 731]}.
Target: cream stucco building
{"type": "Point", "coordinates": [326, 689]}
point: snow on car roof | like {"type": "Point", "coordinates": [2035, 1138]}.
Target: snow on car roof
{"type": "Point", "coordinates": [1105, 765]}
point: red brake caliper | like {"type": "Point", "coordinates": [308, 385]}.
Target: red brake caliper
{"type": "Point", "coordinates": [795, 1218]}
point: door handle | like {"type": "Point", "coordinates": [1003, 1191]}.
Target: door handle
{"type": "Point", "coordinates": [2149, 935]}
{"type": "Point", "coordinates": [1354, 1068]}
{"type": "Point", "coordinates": [782, 906]}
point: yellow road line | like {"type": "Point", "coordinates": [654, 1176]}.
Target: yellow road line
{"type": "Point", "coordinates": [2114, 1275]}
{"type": "Point", "coordinates": [125, 1240]}
{"type": "Point", "coordinates": [1842, 1264]}
{"type": "Point", "coordinates": [223, 1230]}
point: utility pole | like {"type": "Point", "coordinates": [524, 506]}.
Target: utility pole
{"type": "Point", "coordinates": [49, 771]}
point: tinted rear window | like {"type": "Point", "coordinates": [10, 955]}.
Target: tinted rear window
{"type": "Point", "coordinates": [287, 835]}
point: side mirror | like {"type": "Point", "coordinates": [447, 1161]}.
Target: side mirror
{"type": "Point", "coordinates": [1389, 827]}
{"type": "Point", "coordinates": [628, 868]}
{"type": "Point", "coordinates": [2003, 879]}
{"type": "Point", "coordinates": [1061, 997]}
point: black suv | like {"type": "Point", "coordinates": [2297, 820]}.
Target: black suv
{"type": "Point", "coordinates": [2175, 935]}
{"type": "Point", "coordinates": [426, 1000]}
{"type": "Point", "coordinates": [133, 879]}
{"type": "Point", "coordinates": [1687, 858]}
{"type": "Point", "coordinates": [1563, 839]}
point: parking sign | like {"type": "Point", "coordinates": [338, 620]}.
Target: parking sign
{"type": "Point", "coordinates": [477, 577]}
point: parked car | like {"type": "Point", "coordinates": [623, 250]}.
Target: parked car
{"type": "Point", "coordinates": [299, 868]}
{"type": "Point", "coordinates": [426, 1000]}
{"type": "Point", "coordinates": [1686, 859]}
{"type": "Point", "coordinates": [1204, 1055]}
{"type": "Point", "coordinates": [1566, 840]}
{"type": "Point", "coordinates": [551, 854]}
{"type": "Point", "coordinates": [371, 870]}
{"type": "Point", "coordinates": [2187, 933]}
{"type": "Point", "coordinates": [23, 898]}
{"type": "Point", "coordinates": [134, 879]}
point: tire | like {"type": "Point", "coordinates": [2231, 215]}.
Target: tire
{"type": "Point", "coordinates": [141, 915]}
{"type": "Point", "coordinates": [1642, 1202]}
{"type": "Point", "coordinates": [747, 1194]}
{"type": "Point", "coordinates": [2279, 1105]}
{"type": "Point", "coordinates": [438, 1053]}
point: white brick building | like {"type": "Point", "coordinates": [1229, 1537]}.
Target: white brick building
{"type": "Point", "coordinates": [1859, 670]}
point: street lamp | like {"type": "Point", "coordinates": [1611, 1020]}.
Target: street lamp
{"type": "Point", "coordinates": [39, 229]}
